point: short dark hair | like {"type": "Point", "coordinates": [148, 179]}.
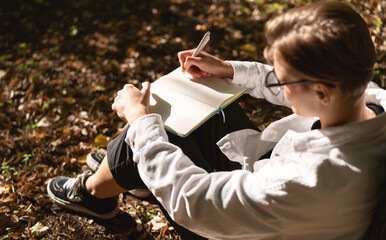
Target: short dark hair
{"type": "Point", "coordinates": [326, 41]}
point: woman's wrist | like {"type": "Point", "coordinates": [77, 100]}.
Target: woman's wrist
{"type": "Point", "coordinates": [228, 70]}
{"type": "Point", "coordinates": [132, 116]}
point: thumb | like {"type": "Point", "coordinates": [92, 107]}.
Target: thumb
{"type": "Point", "coordinates": [145, 87]}
{"type": "Point", "coordinates": [146, 92]}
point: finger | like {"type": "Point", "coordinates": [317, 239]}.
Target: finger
{"type": "Point", "coordinates": [205, 74]}
{"type": "Point", "coordinates": [113, 106]}
{"type": "Point", "coordinates": [128, 86]}
{"type": "Point", "coordinates": [145, 87]}
{"type": "Point", "coordinates": [193, 61]}
{"type": "Point", "coordinates": [195, 72]}
{"type": "Point", "coordinates": [188, 66]}
{"type": "Point", "coordinates": [146, 93]}
{"type": "Point", "coordinates": [185, 53]}
{"type": "Point", "coordinates": [121, 116]}
{"type": "Point", "coordinates": [182, 57]}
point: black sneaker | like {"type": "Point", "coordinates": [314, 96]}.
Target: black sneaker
{"type": "Point", "coordinates": [94, 160]}
{"type": "Point", "coordinates": [70, 193]}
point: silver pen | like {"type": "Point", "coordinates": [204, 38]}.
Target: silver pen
{"type": "Point", "coordinates": [201, 46]}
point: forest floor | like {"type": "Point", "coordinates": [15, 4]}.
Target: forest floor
{"type": "Point", "coordinates": [61, 63]}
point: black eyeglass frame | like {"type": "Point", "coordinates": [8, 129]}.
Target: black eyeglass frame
{"type": "Point", "coordinates": [279, 84]}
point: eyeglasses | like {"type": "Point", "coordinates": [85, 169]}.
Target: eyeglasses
{"type": "Point", "coordinates": [273, 83]}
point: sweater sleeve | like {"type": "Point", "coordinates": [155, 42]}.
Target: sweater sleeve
{"type": "Point", "coordinates": [197, 199]}
{"type": "Point", "coordinates": [251, 75]}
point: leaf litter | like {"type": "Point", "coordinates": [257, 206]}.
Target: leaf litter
{"type": "Point", "coordinates": [60, 66]}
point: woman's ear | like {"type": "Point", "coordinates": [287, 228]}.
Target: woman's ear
{"type": "Point", "coordinates": [323, 93]}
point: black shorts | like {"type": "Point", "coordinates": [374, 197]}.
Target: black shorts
{"type": "Point", "coordinates": [200, 146]}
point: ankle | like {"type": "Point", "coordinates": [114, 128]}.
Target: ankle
{"type": "Point", "coordinates": [89, 186]}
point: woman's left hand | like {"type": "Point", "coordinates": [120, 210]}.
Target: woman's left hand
{"type": "Point", "coordinates": [132, 103]}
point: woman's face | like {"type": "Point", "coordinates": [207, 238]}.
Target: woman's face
{"type": "Point", "coordinates": [301, 96]}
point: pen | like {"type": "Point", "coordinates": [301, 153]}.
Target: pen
{"type": "Point", "coordinates": [201, 46]}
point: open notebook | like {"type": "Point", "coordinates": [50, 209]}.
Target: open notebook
{"type": "Point", "coordinates": [184, 104]}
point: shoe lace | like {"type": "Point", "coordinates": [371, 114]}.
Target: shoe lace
{"type": "Point", "coordinates": [73, 185]}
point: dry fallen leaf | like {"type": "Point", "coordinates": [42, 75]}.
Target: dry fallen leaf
{"type": "Point", "coordinates": [2, 73]}
{"type": "Point", "coordinates": [248, 47]}
{"type": "Point", "coordinates": [82, 159]}
{"type": "Point", "coordinates": [101, 141]}
{"type": "Point", "coordinates": [39, 229]}
{"type": "Point", "coordinates": [158, 223]}
{"type": "Point", "coordinates": [44, 122]}
{"type": "Point", "coordinates": [72, 80]}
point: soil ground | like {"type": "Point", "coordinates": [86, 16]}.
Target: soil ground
{"type": "Point", "coordinates": [61, 63]}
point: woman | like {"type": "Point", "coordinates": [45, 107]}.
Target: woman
{"type": "Point", "coordinates": [315, 174]}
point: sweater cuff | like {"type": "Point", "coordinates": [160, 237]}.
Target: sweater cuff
{"type": "Point", "coordinates": [143, 130]}
{"type": "Point", "coordinates": [244, 71]}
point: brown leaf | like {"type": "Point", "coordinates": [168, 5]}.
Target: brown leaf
{"type": "Point", "coordinates": [5, 209]}
{"type": "Point", "coordinates": [82, 159]}
{"type": "Point", "coordinates": [30, 89]}
{"type": "Point", "coordinates": [13, 82]}
{"type": "Point", "coordinates": [248, 47]}
{"type": "Point", "coordinates": [101, 141]}
{"type": "Point", "coordinates": [68, 100]}
{"type": "Point", "coordinates": [163, 231]}
{"type": "Point", "coordinates": [66, 133]}
{"type": "Point", "coordinates": [40, 133]}
{"type": "Point", "coordinates": [7, 199]}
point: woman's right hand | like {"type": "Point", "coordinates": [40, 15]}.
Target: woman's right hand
{"type": "Point", "coordinates": [204, 65]}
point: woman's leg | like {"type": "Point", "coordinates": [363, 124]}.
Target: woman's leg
{"type": "Point", "coordinates": [102, 184]}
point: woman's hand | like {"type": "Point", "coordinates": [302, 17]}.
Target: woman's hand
{"type": "Point", "coordinates": [132, 103]}
{"type": "Point", "coordinates": [204, 65]}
